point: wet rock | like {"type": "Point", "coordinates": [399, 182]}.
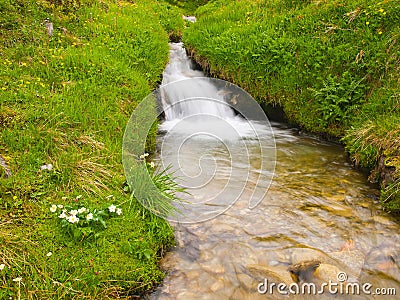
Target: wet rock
{"type": "Point", "coordinates": [205, 282]}
{"type": "Point", "coordinates": [326, 273]}
{"type": "Point", "coordinates": [169, 261]}
{"type": "Point", "coordinates": [317, 273]}
{"type": "Point", "coordinates": [276, 274]}
{"type": "Point", "coordinates": [348, 245]}
{"type": "Point", "coordinates": [384, 261]}
{"type": "Point", "coordinates": [239, 294]}
{"type": "Point", "coordinates": [215, 266]}
{"type": "Point", "coordinates": [273, 263]}
{"type": "Point", "coordinates": [246, 281]}
{"type": "Point", "coordinates": [272, 258]}
{"type": "Point", "coordinates": [192, 250]}
{"type": "Point", "coordinates": [185, 295]}
{"type": "Point", "coordinates": [217, 285]}
{"type": "Point", "coordinates": [306, 254]}
{"type": "Point", "coordinates": [304, 271]}
{"type": "Point", "coordinates": [192, 275]}
{"type": "Point", "coordinates": [383, 220]}
{"type": "Point", "coordinates": [383, 173]}
{"type": "Point", "coordinates": [353, 261]}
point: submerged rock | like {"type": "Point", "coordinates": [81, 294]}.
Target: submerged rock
{"type": "Point", "coordinates": [313, 271]}
{"type": "Point", "coordinates": [275, 274]}
{"type": "Point", "coordinates": [383, 260]}
{"type": "Point", "coordinates": [326, 273]}
{"type": "Point", "coordinates": [353, 261]}
{"type": "Point", "coordinates": [300, 255]}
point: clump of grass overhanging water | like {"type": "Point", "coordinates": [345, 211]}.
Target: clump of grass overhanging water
{"type": "Point", "coordinates": [331, 65]}
{"type": "Point", "coordinates": [68, 86]}
{"type": "Point", "coordinates": [164, 201]}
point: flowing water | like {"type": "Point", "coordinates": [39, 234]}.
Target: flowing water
{"type": "Point", "coordinates": [315, 206]}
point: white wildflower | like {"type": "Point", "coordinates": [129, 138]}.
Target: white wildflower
{"type": "Point", "coordinates": [73, 219]}
{"type": "Point", "coordinates": [73, 212]}
{"type": "Point", "coordinates": [53, 208]}
{"type": "Point", "coordinates": [18, 279]}
{"type": "Point", "coordinates": [89, 217]}
{"type": "Point", "coordinates": [119, 211]}
{"type": "Point", "coordinates": [2, 266]}
{"type": "Point", "coordinates": [143, 156]}
{"type": "Point", "coordinates": [63, 215]}
{"type": "Point", "coordinates": [112, 208]}
{"type": "Point", "coordinates": [152, 165]}
{"type": "Point", "coordinates": [49, 254]}
{"type": "Point", "coordinates": [82, 210]}
{"type": "Point", "coordinates": [60, 206]}
{"type": "Point", "coordinates": [46, 167]}
{"type": "Point", "coordinates": [78, 197]}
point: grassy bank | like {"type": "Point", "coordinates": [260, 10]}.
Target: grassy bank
{"type": "Point", "coordinates": [333, 66]}
{"type": "Point", "coordinates": [66, 96]}
{"type": "Point", "coordinates": [188, 7]}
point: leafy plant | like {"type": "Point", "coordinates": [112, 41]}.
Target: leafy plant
{"type": "Point", "coordinates": [338, 96]}
{"type": "Point", "coordinates": [139, 248]}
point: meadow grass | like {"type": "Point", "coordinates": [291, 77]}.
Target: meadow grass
{"type": "Point", "coordinates": [188, 6]}
{"type": "Point", "coordinates": [65, 100]}
{"type": "Point", "coordinates": [333, 66]}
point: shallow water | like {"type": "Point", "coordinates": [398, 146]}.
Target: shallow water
{"type": "Point", "coordinates": [314, 206]}
{"type": "Point", "coordinates": [316, 203]}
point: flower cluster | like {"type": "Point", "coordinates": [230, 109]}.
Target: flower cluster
{"type": "Point", "coordinates": [81, 221]}
{"type": "Point", "coordinates": [74, 215]}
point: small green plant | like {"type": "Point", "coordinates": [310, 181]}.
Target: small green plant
{"type": "Point", "coordinates": [82, 223]}
{"type": "Point", "coordinates": [337, 96]}
{"type": "Point", "coordinates": [139, 248]}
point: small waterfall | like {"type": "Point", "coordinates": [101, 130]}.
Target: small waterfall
{"type": "Point", "coordinates": [190, 98]}
{"type": "Point", "coordinates": [205, 118]}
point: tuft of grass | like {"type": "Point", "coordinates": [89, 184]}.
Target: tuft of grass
{"type": "Point", "coordinates": [65, 100]}
{"type": "Point", "coordinates": [333, 66]}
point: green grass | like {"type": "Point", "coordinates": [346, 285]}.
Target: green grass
{"type": "Point", "coordinates": [333, 66]}
{"type": "Point", "coordinates": [65, 100]}
{"type": "Point", "coordinates": [188, 6]}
